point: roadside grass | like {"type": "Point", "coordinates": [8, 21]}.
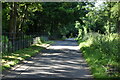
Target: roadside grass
{"type": "Point", "coordinates": [102, 54]}
{"type": "Point", "coordinates": [11, 59]}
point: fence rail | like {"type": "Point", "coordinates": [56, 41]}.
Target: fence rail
{"type": "Point", "coordinates": [15, 41]}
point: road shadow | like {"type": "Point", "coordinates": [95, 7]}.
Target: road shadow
{"type": "Point", "coordinates": [53, 62]}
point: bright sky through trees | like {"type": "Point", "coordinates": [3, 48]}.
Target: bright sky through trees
{"type": "Point", "coordinates": [98, 3]}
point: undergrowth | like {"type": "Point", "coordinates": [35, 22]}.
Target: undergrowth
{"type": "Point", "coordinates": [102, 53]}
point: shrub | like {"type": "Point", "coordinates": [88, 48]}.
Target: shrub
{"type": "Point", "coordinates": [102, 53]}
{"type": "Point", "coordinates": [5, 44]}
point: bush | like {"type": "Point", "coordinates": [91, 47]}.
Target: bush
{"type": "Point", "coordinates": [102, 53]}
{"type": "Point", "coordinates": [5, 44]}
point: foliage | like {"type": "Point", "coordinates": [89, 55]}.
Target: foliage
{"type": "Point", "coordinates": [103, 19]}
{"type": "Point", "coordinates": [98, 39]}
{"type": "Point", "coordinates": [5, 42]}
{"type": "Point", "coordinates": [5, 39]}
{"type": "Point", "coordinates": [102, 54]}
{"type": "Point", "coordinates": [96, 28]}
{"type": "Point", "coordinates": [49, 14]}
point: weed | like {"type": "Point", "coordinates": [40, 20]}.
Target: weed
{"type": "Point", "coordinates": [102, 54]}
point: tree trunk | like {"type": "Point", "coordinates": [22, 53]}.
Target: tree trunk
{"type": "Point", "coordinates": [13, 15]}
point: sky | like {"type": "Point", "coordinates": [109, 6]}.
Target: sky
{"type": "Point", "coordinates": [98, 3]}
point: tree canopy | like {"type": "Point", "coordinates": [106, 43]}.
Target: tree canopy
{"type": "Point", "coordinates": [58, 19]}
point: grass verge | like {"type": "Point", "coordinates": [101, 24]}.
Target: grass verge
{"type": "Point", "coordinates": [102, 54]}
{"type": "Point", "coordinates": [11, 59]}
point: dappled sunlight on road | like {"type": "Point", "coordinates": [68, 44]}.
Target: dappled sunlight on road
{"type": "Point", "coordinates": [64, 47]}
{"type": "Point", "coordinates": [62, 59]}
